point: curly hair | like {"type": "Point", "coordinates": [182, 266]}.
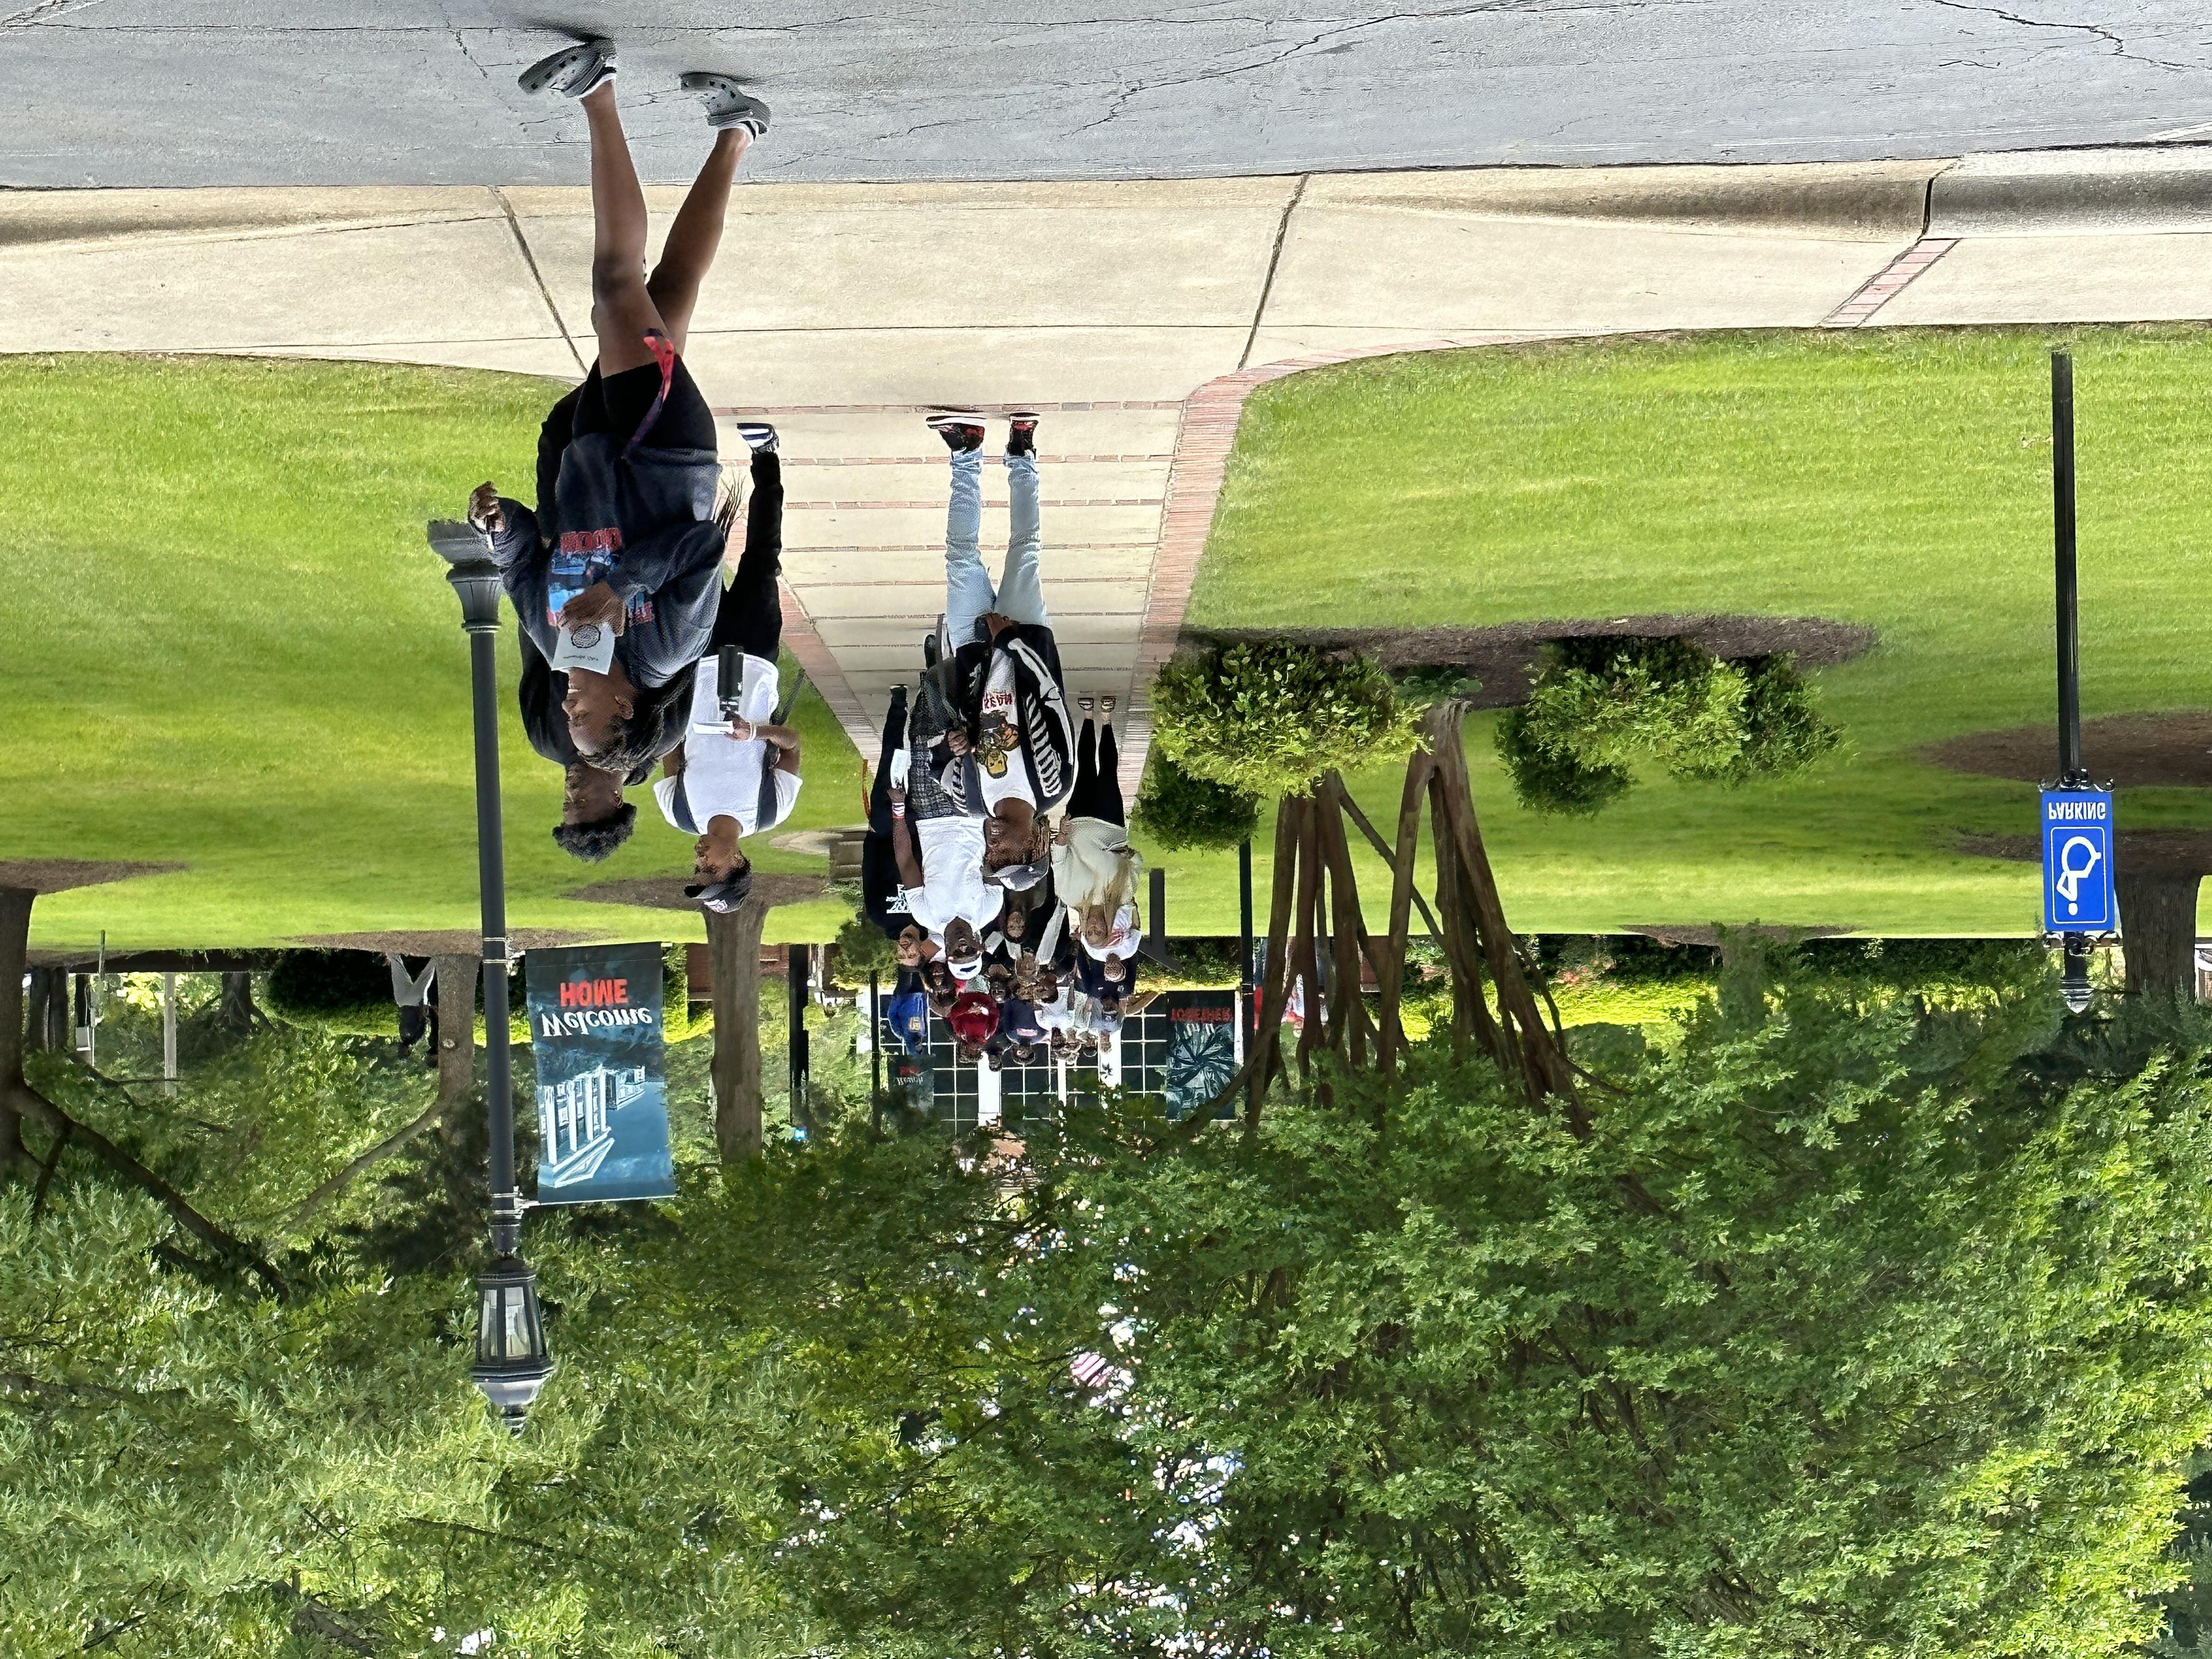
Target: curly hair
{"type": "Point", "coordinates": [593, 841]}
{"type": "Point", "coordinates": [632, 747]}
{"type": "Point", "coordinates": [656, 725]}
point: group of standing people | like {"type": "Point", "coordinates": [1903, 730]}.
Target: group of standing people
{"type": "Point", "coordinates": [998, 857]}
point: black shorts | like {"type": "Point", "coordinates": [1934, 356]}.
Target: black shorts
{"type": "Point", "coordinates": [616, 406]}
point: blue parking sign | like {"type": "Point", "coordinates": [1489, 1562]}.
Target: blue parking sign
{"type": "Point", "coordinates": [2077, 862]}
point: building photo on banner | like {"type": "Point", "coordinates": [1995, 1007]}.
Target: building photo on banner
{"type": "Point", "coordinates": [596, 1036]}
{"type": "Point", "coordinates": [773, 781]}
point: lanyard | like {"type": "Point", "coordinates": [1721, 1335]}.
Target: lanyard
{"type": "Point", "coordinates": [664, 353]}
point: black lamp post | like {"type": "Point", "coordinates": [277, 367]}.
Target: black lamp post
{"type": "Point", "coordinates": [513, 1359]}
{"type": "Point", "coordinates": [2074, 987]}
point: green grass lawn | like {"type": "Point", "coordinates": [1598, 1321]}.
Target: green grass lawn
{"type": "Point", "coordinates": [229, 646]}
{"type": "Point", "coordinates": [1900, 478]}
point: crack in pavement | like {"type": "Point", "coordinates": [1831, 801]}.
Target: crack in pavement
{"type": "Point", "coordinates": [1121, 99]}
{"type": "Point", "coordinates": [789, 29]}
{"type": "Point", "coordinates": [31, 16]}
{"type": "Point", "coordinates": [2117, 43]}
{"type": "Point", "coordinates": [460, 40]}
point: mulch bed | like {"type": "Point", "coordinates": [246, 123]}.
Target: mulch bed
{"type": "Point", "coordinates": [60, 875]}
{"type": "Point", "coordinates": [2172, 748]}
{"type": "Point", "coordinates": [2174, 852]}
{"type": "Point", "coordinates": [1505, 657]}
{"type": "Point", "coordinates": [450, 944]}
{"type": "Point", "coordinates": [667, 892]}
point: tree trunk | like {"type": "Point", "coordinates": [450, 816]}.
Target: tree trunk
{"type": "Point", "coordinates": [457, 1033]}
{"type": "Point", "coordinates": [15, 944]}
{"type": "Point", "coordinates": [733, 943]}
{"type": "Point", "coordinates": [18, 1100]}
{"type": "Point", "coordinates": [2158, 917]}
{"type": "Point", "coordinates": [236, 1011]}
{"type": "Point", "coordinates": [46, 1017]}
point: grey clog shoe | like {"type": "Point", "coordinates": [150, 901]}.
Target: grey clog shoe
{"type": "Point", "coordinates": [728, 104]}
{"type": "Point", "coordinates": [573, 70]}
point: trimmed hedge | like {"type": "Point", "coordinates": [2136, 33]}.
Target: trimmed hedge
{"type": "Point", "coordinates": [1602, 703]}
{"type": "Point", "coordinates": [1178, 810]}
{"type": "Point", "coordinates": [1269, 719]}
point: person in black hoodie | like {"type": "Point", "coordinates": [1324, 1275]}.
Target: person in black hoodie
{"type": "Point", "coordinates": [628, 534]}
{"type": "Point", "coordinates": [1013, 746]}
{"type": "Point", "coordinates": [595, 819]}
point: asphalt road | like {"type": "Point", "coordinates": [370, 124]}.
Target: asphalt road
{"type": "Point", "coordinates": [191, 91]}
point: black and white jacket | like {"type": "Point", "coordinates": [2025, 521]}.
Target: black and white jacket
{"type": "Point", "coordinates": [1047, 746]}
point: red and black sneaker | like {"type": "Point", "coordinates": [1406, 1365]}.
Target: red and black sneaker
{"type": "Point", "coordinates": [1021, 432]}
{"type": "Point", "coordinates": [961, 429]}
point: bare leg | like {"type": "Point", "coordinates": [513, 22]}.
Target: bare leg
{"type": "Point", "coordinates": [689, 252]}
{"type": "Point", "coordinates": [622, 309]}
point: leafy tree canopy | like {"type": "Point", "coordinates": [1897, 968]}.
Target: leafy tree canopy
{"type": "Point", "coordinates": [1859, 1322]}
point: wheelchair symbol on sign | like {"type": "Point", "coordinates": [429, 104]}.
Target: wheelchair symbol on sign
{"type": "Point", "coordinates": [2068, 880]}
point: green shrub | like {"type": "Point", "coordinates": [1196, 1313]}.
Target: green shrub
{"type": "Point", "coordinates": [1270, 719]}
{"type": "Point", "coordinates": [1600, 704]}
{"type": "Point", "coordinates": [1784, 734]}
{"type": "Point", "coordinates": [860, 946]}
{"type": "Point", "coordinates": [677, 1024]}
{"type": "Point", "coordinates": [1606, 702]}
{"type": "Point", "coordinates": [338, 991]}
{"type": "Point", "coordinates": [1549, 782]}
{"type": "Point", "coordinates": [1207, 964]}
{"type": "Point", "coordinates": [1177, 810]}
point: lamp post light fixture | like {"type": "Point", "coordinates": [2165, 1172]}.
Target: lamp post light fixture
{"type": "Point", "coordinates": [513, 1359]}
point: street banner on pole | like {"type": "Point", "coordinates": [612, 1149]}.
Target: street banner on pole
{"type": "Point", "coordinates": [1202, 1045]}
{"type": "Point", "coordinates": [2077, 862]}
{"type": "Point", "coordinates": [602, 1080]}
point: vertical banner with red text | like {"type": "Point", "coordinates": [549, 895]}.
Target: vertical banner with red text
{"type": "Point", "coordinates": [602, 1080]}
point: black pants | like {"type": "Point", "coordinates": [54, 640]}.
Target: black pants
{"type": "Point", "coordinates": [751, 614]}
{"type": "Point", "coordinates": [880, 798]}
{"type": "Point", "coordinates": [1098, 777]}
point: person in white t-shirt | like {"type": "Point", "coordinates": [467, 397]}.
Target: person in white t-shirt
{"type": "Point", "coordinates": [941, 879]}
{"type": "Point", "coordinates": [718, 784]}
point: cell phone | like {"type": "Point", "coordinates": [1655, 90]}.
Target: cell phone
{"type": "Point", "coordinates": [729, 691]}
{"type": "Point", "coordinates": [729, 681]}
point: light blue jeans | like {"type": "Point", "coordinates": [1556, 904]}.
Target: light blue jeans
{"type": "Point", "coordinates": [967, 590]}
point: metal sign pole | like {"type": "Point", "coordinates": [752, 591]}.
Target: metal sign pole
{"type": "Point", "coordinates": [2070, 774]}
{"type": "Point", "coordinates": [875, 1052]}
{"type": "Point", "coordinates": [795, 967]}
{"type": "Point", "coordinates": [2077, 832]}
{"type": "Point", "coordinates": [1248, 1011]}
{"type": "Point", "coordinates": [169, 1033]}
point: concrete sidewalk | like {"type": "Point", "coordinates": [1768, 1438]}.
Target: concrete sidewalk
{"type": "Point", "coordinates": [844, 313]}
